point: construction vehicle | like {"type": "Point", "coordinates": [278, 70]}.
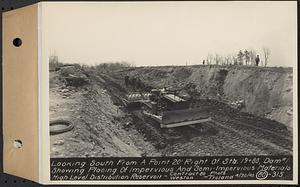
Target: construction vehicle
{"type": "Point", "coordinates": [166, 108]}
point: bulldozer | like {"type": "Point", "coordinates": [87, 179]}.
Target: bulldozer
{"type": "Point", "coordinates": [167, 108]}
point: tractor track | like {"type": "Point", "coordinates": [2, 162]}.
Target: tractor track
{"type": "Point", "coordinates": [215, 138]}
{"type": "Point", "coordinates": [259, 138]}
{"type": "Point", "coordinates": [285, 141]}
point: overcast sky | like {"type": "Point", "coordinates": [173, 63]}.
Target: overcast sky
{"type": "Point", "coordinates": [166, 33]}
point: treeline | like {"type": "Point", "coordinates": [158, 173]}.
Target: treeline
{"type": "Point", "coordinates": [55, 65]}
{"type": "Point", "coordinates": [243, 57]}
{"type": "Point", "coordinates": [111, 66]}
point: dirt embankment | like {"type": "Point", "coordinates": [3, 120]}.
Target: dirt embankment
{"type": "Point", "coordinates": [266, 92]}
{"type": "Point", "coordinates": [99, 121]}
{"type": "Point", "coordinates": [104, 128]}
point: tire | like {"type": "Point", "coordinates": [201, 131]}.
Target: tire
{"type": "Point", "coordinates": [68, 124]}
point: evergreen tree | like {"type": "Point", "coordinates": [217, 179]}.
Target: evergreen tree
{"type": "Point", "coordinates": [247, 56]}
{"type": "Point", "coordinates": [240, 56]}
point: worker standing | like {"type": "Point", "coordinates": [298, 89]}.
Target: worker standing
{"type": "Point", "coordinates": [257, 60]}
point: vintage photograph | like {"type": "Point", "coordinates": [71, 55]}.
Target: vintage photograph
{"type": "Point", "coordinates": [171, 79]}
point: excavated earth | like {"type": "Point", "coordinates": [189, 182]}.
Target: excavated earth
{"type": "Point", "coordinates": [103, 127]}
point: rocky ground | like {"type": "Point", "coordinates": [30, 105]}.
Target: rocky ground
{"type": "Point", "coordinates": [103, 127]}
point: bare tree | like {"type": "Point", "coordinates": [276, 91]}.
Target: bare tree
{"type": "Point", "coordinates": [217, 59]}
{"type": "Point", "coordinates": [267, 53]}
{"type": "Point", "coordinates": [231, 59]}
{"type": "Point", "coordinates": [252, 55]}
{"type": "Point", "coordinates": [209, 58]}
{"type": "Point", "coordinates": [234, 59]}
{"type": "Point", "coordinates": [227, 59]}
{"type": "Point", "coordinates": [222, 61]}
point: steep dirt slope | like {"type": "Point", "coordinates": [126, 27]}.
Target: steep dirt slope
{"type": "Point", "coordinates": [98, 122]}
{"type": "Point", "coordinates": [265, 91]}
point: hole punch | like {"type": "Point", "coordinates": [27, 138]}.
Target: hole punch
{"type": "Point", "coordinates": [18, 144]}
{"type": "Point", "coordinates": [17, 42]}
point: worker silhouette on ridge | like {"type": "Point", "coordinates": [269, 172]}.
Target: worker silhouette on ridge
{"type": "Point", "coordinates": [257, 60]}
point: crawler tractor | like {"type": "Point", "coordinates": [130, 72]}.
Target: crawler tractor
{"type": "Point", "coordinates": [166, 108]}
